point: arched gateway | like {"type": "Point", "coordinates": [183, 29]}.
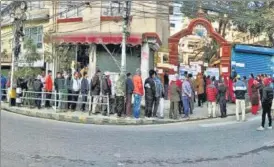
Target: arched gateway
{"type": "Point", "coordinates": [225, 50]}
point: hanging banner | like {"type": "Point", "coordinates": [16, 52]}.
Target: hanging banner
{"type": "Point", "coordinates": [213, 72]}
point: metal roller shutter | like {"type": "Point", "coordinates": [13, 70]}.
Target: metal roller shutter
{"type": "Point", "coordinates": [254, 61]}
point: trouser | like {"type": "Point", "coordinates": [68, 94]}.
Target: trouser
{"type": "Point", "coordinates": [180, 107]}
{"type": "Point", "coordinates": [128, 104]}
{"type": "Point", "coordinates": [38, 100]}
{"type": "Point", "coordinates": [57, 98]}
{"type": "Point", "coordinates": [200, 99]}
{"type": "Point", "coordinates": [29, 95]}
{"type": "Point", "coordinates": [186, 105]}
{"type": "Point", "coordinates": [95, 101]}
{"type": "Point", "coordinates": [69, 97]}
{"type": "Point", "coordinates": [120, 104]}
{"type": "Point", "coordinates": [48, 97]}
{"type": "Point", "coordinates": [148, 107]}
{"type": "Point", "coordinates": [166, 92]}
{"type": "Point", "coordinates": [105, 106]}
{"type": "Point", "coordinates": [204, 97]}
{"type": "Point", "coordinates": [156, 102]}
{"type": "Point", "coordinates": [3, 95]}
{"type": "Point", "coordinates": [173, 112]}
{"type": "Point", "coordinates": [191, 103]}
{"type": "Point", "coordinates": [137, 105]}
{"type": "Point", "coordinates": [222, 104]}
{"type": "Point", "coordinates": [74, 99]}
{"type": "Point", "coordinates": [211, 109]}
{"type": "Point", "coordinates": [84, 101]}
{"type": "Point", "coordinates": [266, 110]}
{"type": "Point", "coordinates": [240, 104]}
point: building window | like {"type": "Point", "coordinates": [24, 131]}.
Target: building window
{"type": "Point", "coordinates": [172, 25]}
{"type": "Point", "coordinates": [113, 8]}
{"type": "Point", "coordinates": [36, 35]}
{"type": "Point", "coordinates": [35, 5]}
{"type": "Point", "coordinates": [70, 9]}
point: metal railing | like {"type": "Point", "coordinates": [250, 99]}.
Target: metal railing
{"type": "Point", "coordinates": [62, 98]}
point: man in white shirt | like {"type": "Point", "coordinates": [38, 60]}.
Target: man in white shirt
{"type": "Point", "coordinates": [76, 86]}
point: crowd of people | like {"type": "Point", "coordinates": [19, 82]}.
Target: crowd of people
{"type": "Point", "coordinates": [182, 91]}
{"type": "Point", "coordinates": [257, 91]}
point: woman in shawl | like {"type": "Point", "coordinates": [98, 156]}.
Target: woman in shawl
{"type": "Point", "coordinates": [255, 97]}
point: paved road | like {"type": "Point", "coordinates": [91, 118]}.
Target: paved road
{"type": "Point", "coordinates": [32, 142]}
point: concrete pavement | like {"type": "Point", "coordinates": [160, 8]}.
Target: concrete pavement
{"type": "Point", "coordinates": [199, 113]}
{"type": "Point", "coordinates": [33, 142]}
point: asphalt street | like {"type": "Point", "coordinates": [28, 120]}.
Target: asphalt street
{"type": "Point", "coordinates": [33, 142]}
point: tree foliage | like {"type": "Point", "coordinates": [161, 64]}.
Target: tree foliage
{"type": "Point", "coordinates": [254, 17]}
{"type": "Point", "coordinates": [56, 52]}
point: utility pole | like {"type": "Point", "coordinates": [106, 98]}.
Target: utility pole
{"type": "Point", "coordinates": [1, 59]}
{"type": "Point", "coordinates": [18, 13]}
{"type": "Point", "coordinates": [125, 32]}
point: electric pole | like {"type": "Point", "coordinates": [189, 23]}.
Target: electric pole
{"type": "Point", "coordinates": [1, 59]}
{"type": "Point", "coordinates": [126, 15]}
{"type": "Point", "coordinates": [18, 14]}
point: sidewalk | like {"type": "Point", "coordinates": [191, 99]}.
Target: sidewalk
{"type": "Point", "coordinates": [199, 113]}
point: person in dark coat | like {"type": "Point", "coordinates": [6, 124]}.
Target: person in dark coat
{"type": "Point", "coordinates": [255, 99]}
{"type": "Point", "coordinates": [84, 90]}
{"type": "Point", "coordinates": [59, 84]}
{"type": "Point", "coordinates": [129, 92]}
{"type": "Point", "coordinates": [37, 87]}
{"type": "Point", "coordinates": [107, 91]}
{"type": "Point", "coordinates": [166, 83]}
{"type": "Point", "coordinates": [266, 104]}
{"type": "Point", "coordinates": [150, 91]}
{"type": "Point", "coordinates": [221, 98]}
{"type": "Point", "coordinates": [96, 89]}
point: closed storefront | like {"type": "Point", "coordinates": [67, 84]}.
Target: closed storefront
{"type": "Point", "coordinates": [248, 59]}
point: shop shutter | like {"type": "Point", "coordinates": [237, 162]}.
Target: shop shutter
{"type": "Point", "coordinates": [253, 63]}
{"type": "Point", "coordinates": [106, 63]}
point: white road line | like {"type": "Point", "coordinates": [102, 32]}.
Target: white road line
{"type": "Point", "coordinates": [269, 144]}
{"type": "Point", "coordinates": [217, 124]}
{"type": "Point", "coordinates": [228, 123]}
{"type": "Point", "coordinates": [255, 118]}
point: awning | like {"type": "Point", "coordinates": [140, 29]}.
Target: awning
{"type": "Point", "coordinates": [98, 38]}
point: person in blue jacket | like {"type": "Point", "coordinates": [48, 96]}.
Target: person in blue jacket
{"type": "Point", "coordinates": [3, 87]}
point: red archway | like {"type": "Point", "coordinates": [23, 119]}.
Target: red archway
{"type": "Point", "coordinates": [225, 55]}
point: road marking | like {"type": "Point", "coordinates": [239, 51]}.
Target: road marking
{"type": "Point", "coordinates": [217, 124]}
{"type": "Point", "coordinates": [269, 144]}
{"type": "Point", "coordinates": [255, 118]}
{"type": "Point", "coordinates": [228, 123]}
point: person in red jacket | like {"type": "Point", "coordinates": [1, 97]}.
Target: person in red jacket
{"type": "Point", "coordinates": [138, 92]}
{"type": "Point", "coordinates": [211, 92]}
{"type": "Point", "coordinates": [48, 88]}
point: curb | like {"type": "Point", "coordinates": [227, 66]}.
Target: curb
{"type": "Point", "coordinates": [99, 120]}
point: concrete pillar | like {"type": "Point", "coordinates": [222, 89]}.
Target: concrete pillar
{"type": "Point", "coordinates": [144, 61]}
{"type": "Point", "coordinates": [92, 61]}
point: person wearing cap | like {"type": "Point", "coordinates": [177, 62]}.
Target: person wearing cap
{"type": "Point", "coordinates": [95, 90]}
{"type": "Point", "coordinates": [120, 92]}
{"type": "Point", "coordinates": [138, 92]}
{"type": "Point", "coordinates": [106, 91]}
{"type": "Point", "coordinates": [38, 87]}
{"type": "Point", "coordinates": [240, 91]}
{"type": "Point", "coordinates": [266, 104]}
{"type": "Point", "coordinates": [211, 94]}
{"type": "Point", "coordinates": [150, 91]}
{"type": "Point", "coordinates": [48, 88]}
{"type": "Point", "coordinates": [175, 93]}
{"type": "Point", "coordinates": [129, 92]}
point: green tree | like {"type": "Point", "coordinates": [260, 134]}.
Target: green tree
{"type": "Point", "coordinates": [56, 52]}
{"type": "Point", "coordinates": [31, 55]}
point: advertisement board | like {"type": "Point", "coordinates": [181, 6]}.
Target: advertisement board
{"type": "Point", "coordinates": [213, 72]}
